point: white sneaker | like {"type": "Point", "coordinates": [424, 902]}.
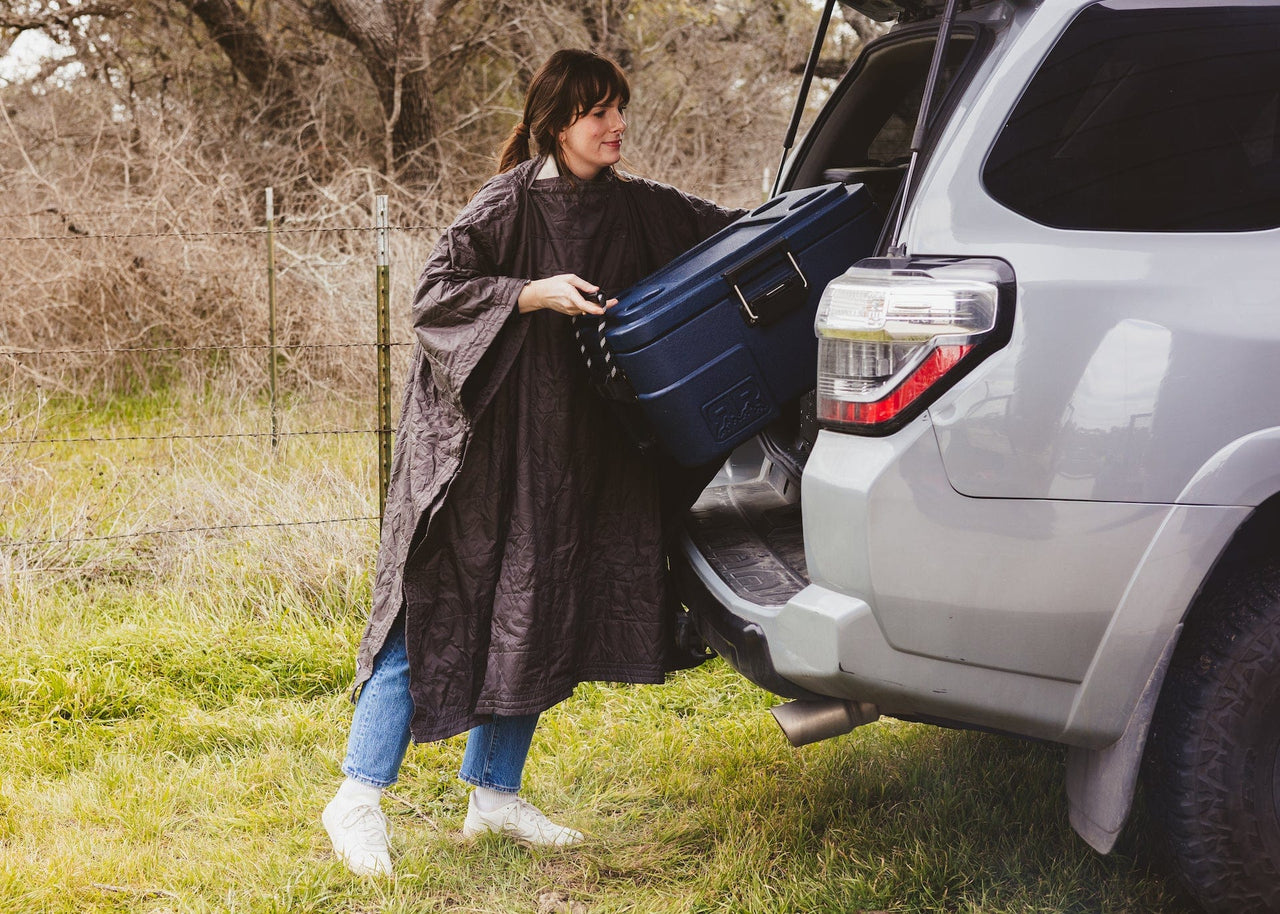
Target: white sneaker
{"type": "Point", "coordinates": [520, 821]}
{"type": "Point", "coordinates": [361, 836]}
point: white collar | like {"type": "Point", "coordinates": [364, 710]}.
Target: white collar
{"type": "Point", "coordinates": [549, 169]}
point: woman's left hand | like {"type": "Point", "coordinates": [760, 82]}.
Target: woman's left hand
{"type": "Point", "coordinates": [565, 293]}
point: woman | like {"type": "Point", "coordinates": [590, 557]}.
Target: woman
{"type": "Point", "coordinates": [522, 541]}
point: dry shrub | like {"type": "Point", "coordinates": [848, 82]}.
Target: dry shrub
{"type": "Point", "coordinates": [133, 216]}
{"type": "Point", "coordinates": [169, 282]}
{"type": "Point", "coordinates": [132, 219]}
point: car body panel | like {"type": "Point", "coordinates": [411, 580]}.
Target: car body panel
{"type": "Point", "coordinates": [1025, 592]}
{"type": "Point", "coordinates": [1113, 340]}
{"type": "Point", "coordinates": [1023, 555]}
{"type": "Point", "coordinates": [989, 582]}
{"type": "Point", "coordinates": [1244, 472]}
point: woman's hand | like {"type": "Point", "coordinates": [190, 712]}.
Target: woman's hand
{"type": "Point", "coordinates": [563, 293]}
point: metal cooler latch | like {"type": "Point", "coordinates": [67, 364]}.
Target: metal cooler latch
{"type": "Point", "coordinates": [780, 298]}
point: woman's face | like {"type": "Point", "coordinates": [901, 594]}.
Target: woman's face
{"type": "Point", "coordinates": [593, 141]}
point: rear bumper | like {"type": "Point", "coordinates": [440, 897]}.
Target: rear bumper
{"type": "Point", "coordinates": [826, 644]}
{"type": "Point", "coordinates": [741, 641]}
{"type": "Point", "coordinates": [1034, 617]}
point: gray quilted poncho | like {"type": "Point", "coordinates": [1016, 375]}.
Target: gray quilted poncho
{"type": "Point", "coordinates": [523, 532]}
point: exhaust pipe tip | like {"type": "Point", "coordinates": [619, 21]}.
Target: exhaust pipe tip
{"type": "Point", "coordinates": [805, 722]}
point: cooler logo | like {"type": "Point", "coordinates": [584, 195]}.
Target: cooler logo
{"type": "Point", "coordinates": [735, 409]}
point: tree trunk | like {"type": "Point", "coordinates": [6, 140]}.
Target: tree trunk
{"type": "Point", "coordinates": [390, 39]}
{"type": "Point", "coordinates": [250, 55]}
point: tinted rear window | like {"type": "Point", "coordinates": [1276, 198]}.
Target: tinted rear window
{"type": "Point", "coordinates": [1156, 119]}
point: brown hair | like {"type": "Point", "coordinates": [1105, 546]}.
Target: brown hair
{"type": "Point", "coordinates": [567, 86]}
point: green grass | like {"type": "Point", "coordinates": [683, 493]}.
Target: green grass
{"type": "Point", "coordinates": [174, 713]}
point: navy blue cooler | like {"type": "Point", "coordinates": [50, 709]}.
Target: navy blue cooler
{"type": "Point", "coordinates": [714, 344]}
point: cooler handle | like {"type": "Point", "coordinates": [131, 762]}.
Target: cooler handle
{"type": "Point", "coordinates": [773, 303]}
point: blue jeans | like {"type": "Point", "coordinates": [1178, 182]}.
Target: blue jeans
{"type": "Point", "coordinates": [495, 754]}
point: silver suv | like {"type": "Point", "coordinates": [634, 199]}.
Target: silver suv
{"type": "Point", "coordinates": [1037, 488]}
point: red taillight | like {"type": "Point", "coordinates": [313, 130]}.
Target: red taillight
{"type": "Point", "coordinates": [890, 332]}
{"type": "Point", "coordinates": [935, 365]}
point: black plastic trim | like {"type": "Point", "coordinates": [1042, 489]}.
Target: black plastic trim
{"type": "Point", "coordinates": [741, 643]}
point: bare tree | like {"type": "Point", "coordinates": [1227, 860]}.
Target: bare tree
{"type": "Point", "coordinates": [268, 73]}
{"type": "Point", "coordinates": [422, 91]}
{"type": "Point", "coordinates": [168, 118]}
{"type": "Point", "coordinates": [393, 40]}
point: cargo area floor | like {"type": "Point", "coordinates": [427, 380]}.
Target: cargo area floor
{"type": "Point", "coordinates": [750, 534]}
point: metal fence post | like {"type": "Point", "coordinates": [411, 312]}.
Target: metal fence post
{"type": "Point", "coordinates": [271, 313]}
{"type": "Point", "coordinates": [384, 353]}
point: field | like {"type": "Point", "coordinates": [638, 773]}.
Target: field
{"type": "Point", "coordinates": [174, 709]}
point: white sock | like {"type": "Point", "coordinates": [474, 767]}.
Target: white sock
{"type": "Point", "coordinates": [488, 800]}
{"type": "Point", "coordinates": [353, 793]}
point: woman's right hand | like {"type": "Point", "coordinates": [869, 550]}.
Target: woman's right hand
{"type": "Point", "coordinates": [561, 293]}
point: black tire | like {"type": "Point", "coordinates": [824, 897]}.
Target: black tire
{"type": "Point", "coordinates": [1213, 764]}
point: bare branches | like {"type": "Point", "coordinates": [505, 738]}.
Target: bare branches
{"type": "Point", "coordinates": [322, 15]}
{"type": "Point", "coordinates": [865, 28]}
{"type": "Point", "coordinates": [56, 18]}
{"type": "Point", "coordinates": [248, 51]}
{"type": "Point", "coordinates": [415, 94]}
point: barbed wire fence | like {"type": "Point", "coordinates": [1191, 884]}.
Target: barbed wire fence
{"type": "Point", "coordinates": [379, 429]}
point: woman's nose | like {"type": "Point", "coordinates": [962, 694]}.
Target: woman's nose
{"type": "Point", "coordinates": [619, 122]}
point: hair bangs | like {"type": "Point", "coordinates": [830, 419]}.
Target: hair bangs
{"type": "Point", "coordinates": [597, 81]}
